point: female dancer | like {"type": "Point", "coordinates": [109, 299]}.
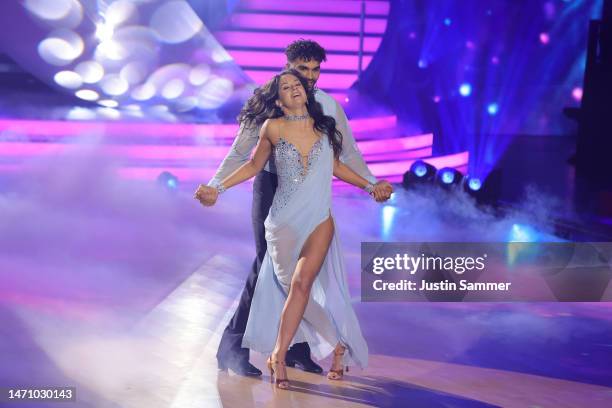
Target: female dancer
{"type": "Point", "coordinates": [301, 293]}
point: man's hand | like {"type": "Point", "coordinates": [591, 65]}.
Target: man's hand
{"type": "Point", "coordinates": [206, 195]}
{"type": "Point", "coordinates": [382, 191]}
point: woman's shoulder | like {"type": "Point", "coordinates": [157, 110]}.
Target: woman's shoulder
{"type": "Point", "coordinates": [271, 123]}
{"type": "Point", "coordinates": [274, 121]}
{"type": "Point", "coordinates": [270, 127]}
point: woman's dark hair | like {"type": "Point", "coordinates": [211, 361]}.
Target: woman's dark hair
{"type": "Point", "coordinates": [262, 106]}
{"type": "Point", "coordinates": [305, 49]}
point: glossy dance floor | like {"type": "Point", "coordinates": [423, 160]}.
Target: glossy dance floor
{"type": "Point", "coordinates": [147, 337]}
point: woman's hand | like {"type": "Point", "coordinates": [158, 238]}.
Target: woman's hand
{"type": "Point", "coordinates": [206, 195]}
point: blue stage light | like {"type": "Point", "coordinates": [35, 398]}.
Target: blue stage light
{"type": "Point", "coordinates": [420, 173]}
{"type": "Point", "coordinates": [388, 215]}
{"type": "Point", "coordinates": [492, 109]}
{"type": "Point", "coordinates": [465, 89]}
{"type": "Point", "coordinates": [449, 177]}
{"type": "Point", "coordinates": [422, 63]}
{"type": "Point", "coordinates": [522, 233]}
{"type": "Point", "coordinates": [474, 183]}
{"type": "Point", "coordinates": [168, 180]}
{"type": "Point", "coordinates": [447, 21]}
{"type": "Point", "coordinates": [420, 170]}
{"type": "Point", "coordinates": [485, 188]}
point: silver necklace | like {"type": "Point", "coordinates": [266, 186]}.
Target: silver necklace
{"type": "Point", "coordinates": [294, 118]}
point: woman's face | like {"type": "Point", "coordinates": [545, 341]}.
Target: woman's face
{"type": "Point", "coordinates": [291, 93]}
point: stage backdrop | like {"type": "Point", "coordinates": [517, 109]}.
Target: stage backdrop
{"type": "Point", "coordinates": [476, 72]}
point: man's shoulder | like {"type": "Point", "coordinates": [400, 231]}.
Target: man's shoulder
{"type": "Point", "coordinates": [329, 104]}
{"type": "Point", "coordinates": [248, 130]}
{"type": "Point", "coordinates": [322, 96]}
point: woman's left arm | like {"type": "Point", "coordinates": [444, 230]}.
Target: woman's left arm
{"type": "Point", "coordinates": [346, 174]}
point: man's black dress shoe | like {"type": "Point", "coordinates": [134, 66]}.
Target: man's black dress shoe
{"type": "Point", "coordinates": [240, 367]}
{"type": "Point", "coordinates": [299, 356]}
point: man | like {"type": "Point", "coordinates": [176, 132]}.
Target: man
{"type": "Point", "coordinates": [305, 56]}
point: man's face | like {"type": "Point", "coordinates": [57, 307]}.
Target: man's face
{"type": "Point", "coordinates": [309, 70]}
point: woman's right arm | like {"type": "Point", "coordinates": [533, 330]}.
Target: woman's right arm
{"type": "Point", "coordinates": [254, 165]}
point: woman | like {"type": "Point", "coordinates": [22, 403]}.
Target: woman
{"type": "Point", "coordinates": [301, 293]}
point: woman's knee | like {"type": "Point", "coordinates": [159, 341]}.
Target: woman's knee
{"type": "Point", "coordinates": [301, 286]}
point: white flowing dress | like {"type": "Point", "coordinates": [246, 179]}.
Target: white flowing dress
{"type": "Point", "coordinates": [303, 201]}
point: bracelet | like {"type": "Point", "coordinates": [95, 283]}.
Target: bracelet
{"type": "Point", "coordinates": [220, 187]}
{"type": "Point", "coordinates": [369, 188]}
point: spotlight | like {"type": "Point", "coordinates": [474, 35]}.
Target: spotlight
{"type": "Point", "coordinates": [447, 21]}
{"type": "Point", "coordinates": [104, 31]}
{"type": "Point", "coordinates": [522, 233]}
{"type": "Point", "coordinates": [472, 183]}
{"type": "Point", "coordinates": [492, 109]}
{"type": "Point", "coordinates": [422, 169]}
{"type": "Point", "coordinates": [449, 177]}
{"type": "Point", "coordinates": [465, 89]}
{"type": "Point", "coordinates": [484, 190]}
{"type": "Point", "coordinates": [419, 173]}
{"type": "Point", "coordinates": [87, 94]}
{"type": "Point", "coordinates": [109, 103]}
{"type": "Point", "coordinates": [168, 180]}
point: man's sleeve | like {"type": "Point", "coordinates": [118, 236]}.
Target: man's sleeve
{"type": "Point", "coordinates": [351, 156]}
{"type": "Point", "coordinates": [239, 154]}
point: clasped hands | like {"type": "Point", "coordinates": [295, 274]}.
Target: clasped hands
{"type": "Point", "coordinates": [208, 195]}
{"type": "Point", "coordinates": [382, 191]}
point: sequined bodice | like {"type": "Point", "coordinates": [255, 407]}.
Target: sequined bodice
{"type": "Point", "coordinates": [291, 170]}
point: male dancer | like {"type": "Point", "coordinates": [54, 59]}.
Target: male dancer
{"type": "Point", "coordinates": [305, 56]}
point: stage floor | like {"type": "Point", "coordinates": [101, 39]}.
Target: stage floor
{"type": "Point", "coordinates": [124, 295]}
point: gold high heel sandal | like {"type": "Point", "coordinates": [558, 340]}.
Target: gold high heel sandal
{"type": "Point", "coordinates": [281, 383]}
{"type": "Point", "coordinates": [338, 374]}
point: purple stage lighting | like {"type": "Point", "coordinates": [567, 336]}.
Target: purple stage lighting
{"type": "Point", "coordinates": [577, 93]}
{"type": "Point", "coordinates": [124, 52]}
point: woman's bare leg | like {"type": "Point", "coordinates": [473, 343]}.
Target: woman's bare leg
{"type": "Point", "coordinates": [309, 263]}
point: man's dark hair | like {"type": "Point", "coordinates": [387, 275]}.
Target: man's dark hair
{"type": "Point", "coordinates": [305, 49]}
